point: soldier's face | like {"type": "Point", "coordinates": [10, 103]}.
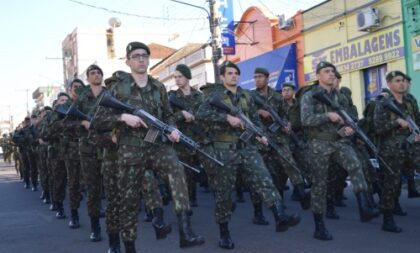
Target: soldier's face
{"type": "Point", "coordinates": [287, 92]}
{"type": "Point", "coordinates": [261, 80]}
{"type": "Point", "coordinates": [74, 88]}
{"type": "Point", "coordinates": [326, 76]}
{"type": "Point", "coordinates": [180, 80]}
{"type": "Point", "coordinates": [398, 85]}
{"type": "Point", "coordinates": [62, 100]}
{"type": "Point", "coordinates": [230, 78]}
{"type": "Point", "coordinates": [95, 77]}
{"type": "Point", "coordinates": [138, 61]}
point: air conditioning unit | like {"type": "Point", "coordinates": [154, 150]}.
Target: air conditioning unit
{"type": "Point", "coordinates": [368, 20]}
{"type": "Point", "coordinates": [284, 24]}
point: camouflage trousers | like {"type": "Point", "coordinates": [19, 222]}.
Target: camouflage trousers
{"type": "Point", "coordinates": [58, 179]}
{"type": "Point", "coordinates": [92, 178]}
{"type": "Point", "coordinates": [396, 158]}
{"type": "Point", "coordinates": [301, 155]}
{"type": "Point", "coordinates": [322, 154]}
{"type": "Point", "coordinates": [133, 162]}
{"type": "Point", "coordinates": [222, 178]}
{"type": "Point", "coordinates": [150, 190]}
{"type": "Point", "coordinates": [279, 169]}
{"type": "Point", "coordinates": [110, 172]}
{"type": "Point", "coordinates": [43, 168]}
{"type": "Point", "coordinates": [30, 171]}
{"type": "Point", "coordinates": [73, 179]}
{"type": "Point", "coordinates": [191, 176]}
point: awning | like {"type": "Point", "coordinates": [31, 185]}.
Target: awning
{"type": "Point", "coordinates": [281, 63]}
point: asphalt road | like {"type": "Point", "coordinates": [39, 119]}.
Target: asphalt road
{"type": "Point", "coordinates": [26, 225]}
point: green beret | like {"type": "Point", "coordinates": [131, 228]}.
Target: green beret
{"type": "Point", "coordinates": [324, 64]}
{"type": "Point", "coordinates": [47, 108]}
{"type": "Point", "coordinates": [288, 84]}
{"type": "Point", "coordinates": [93, 67]}
{"type": "Point", "coordinates": [136, 45]}
{"type": "Point", "coordinates": [393, 74]}
{"type": "Point", "coordinates": [185, 71]}
{"type": "Point", "coordinates": [261, 71]}
{"type": "Point", "coordinates": [337, 75]}
{"type": "Point", "coordinates": [63, 94]}
{"type": "Point", "coordinates": [228, 64]}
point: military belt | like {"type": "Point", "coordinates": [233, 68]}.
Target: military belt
{"type": "Point", "coordinates": [223, 137]}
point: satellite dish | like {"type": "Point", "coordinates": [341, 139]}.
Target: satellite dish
{"type": "Point", "coordinates": [114, 22]}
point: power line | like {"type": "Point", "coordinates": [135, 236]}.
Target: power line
{"type": "Point", "coordinates": [131, 14]}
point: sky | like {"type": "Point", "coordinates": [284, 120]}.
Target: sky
{"type": "Point", "coordinates": [32, 32]}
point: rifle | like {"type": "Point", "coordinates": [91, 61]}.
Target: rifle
{"type": "Point", "coordinates": [250, 128]}
{"type": "Point", "coordinates": [390, 105]}
{"type": "Point", "coordinates": [278, 121]}
{"type": "Point", "coordinates": [107, 100]}
{"type": "Point", "coordinates": [321, 97]}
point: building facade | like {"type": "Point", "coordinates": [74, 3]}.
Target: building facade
{"type": "Point", "coordinates": [272, 42]}
{"type": "Point", "coordinates": [363, 38]}
{"type": "Point", "coordinates": [411, 14]}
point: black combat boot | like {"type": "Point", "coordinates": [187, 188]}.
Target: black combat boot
{"type": "Point", "coordinates": [130, 247]}
{"type": "Point", "coordinates": [34, 187]}
{"type": "Point", "coordinates": [366, 212]}
{"type": "Point", "coordinates": [331, 213]}
{"type": "Point", "coordinates": [411, 187]}
{"type": "Point", "coordinates": [283, 220]}
{"type": "Point", "coordinates": [42, 196]}
{"type": "Point", "coordinates": [225, 241]}
{"type": "Point", "coordinates": [372, 203]}
{"type": "Point", "coordinates": [74, 219]}
{"type": "Point", "coordinates": [389, 223]}
{"type": "Point", "coordinates": [161, 229]}
{"type": "Point", "coordinates": [60, 211]}
{"type": "Point", "coordinates": [304, 197]}
{"type": "Point", "coordinates": [95, 235]}
{"type": "Point", "coordinates": [187, 238]}
{"type": "Point", "coordinates": [321, 233]}
{"type": "Point", "coordinates": [398, 209]}
{"type": "Point", "coordinates": [259, 218]}
{"type": "Point", "coordinates": [47, 199]}
{"type": "Point", "coordinates": [53, 206]}
{"type": "Point", "coordinates": [148, 216]}
{"type": "Point", "coordinates": [114, 243]}
{"type": "Point", "coordinates": [26, 184]}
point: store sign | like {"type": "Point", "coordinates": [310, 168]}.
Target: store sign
{"type": "Point", "coordinates": [227, 26]}
{"type": "Point", "coordinates": [372, 50]}
{"type": "Point", "coordinates": [415, 47]}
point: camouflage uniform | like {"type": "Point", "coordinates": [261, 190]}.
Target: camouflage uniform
{"type": "Point", "coordinates": [279, 169]}
{"type": "Point", "coordinates": [233, 153]}
{"type": "Point", "coordinates": [192, 102]}
{"type": "Point", "coordinates": [56, 157]}
{"type": "Point", "coordinates": [43, 155]}
{"type": "Point", "coordinates": [394, 148]}
{"type": "Point", "coordinates": [135, 155]}
{"type": "Point", "coordinates": [89, 159]}
{"type": "Point", "coordinates": [326, 146]}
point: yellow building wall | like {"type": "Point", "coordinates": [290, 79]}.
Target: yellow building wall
{"type": "Point", "coordinates": [322, 33]}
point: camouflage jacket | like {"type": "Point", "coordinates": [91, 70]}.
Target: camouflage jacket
{"type": "Point", "coordinates": [152, 98]}
{"type": "Point", "coordinates": [87, 103]}
{"type": "Point", "coordinates": [191, 104]}
{"type": "Point", "coordinates": [314, 115]}
{"type": "Point", "coordinates": [387, 128]}
{"type": "Point", "coordinates": [275, 101]}
{"type": "Point", "coordinates": [219, 129]}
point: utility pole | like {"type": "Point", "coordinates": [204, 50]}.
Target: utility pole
{"type": "Point", "coordinates": [215, 45]}
{"type": "Point", "coordinates": [215, 31]}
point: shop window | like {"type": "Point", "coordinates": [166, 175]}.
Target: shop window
{"type": "Point", "coordinates": [374, 81]}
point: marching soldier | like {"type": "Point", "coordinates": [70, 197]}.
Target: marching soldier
{"type": "Point", "coordinates": [392, 130]}
{"type": "Point", "coordinates": [224, 130]}
{"type": "Point", "coordinates": [135, 155]}
{"type": "Point", "coordinates": [326, 146]}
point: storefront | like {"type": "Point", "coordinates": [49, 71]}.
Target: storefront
{"type": "Point", "coordinates": [281, 63]}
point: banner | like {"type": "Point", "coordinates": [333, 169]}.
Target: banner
{"type": "Point", "coordinates": [371, 50]}
{"type": "Point", "coordinates": [227, 26]}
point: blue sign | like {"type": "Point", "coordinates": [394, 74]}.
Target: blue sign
{"type": "Point", "coordinates": [280, 63]}
{"type": "Point", "coordinates": [227, 27]}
